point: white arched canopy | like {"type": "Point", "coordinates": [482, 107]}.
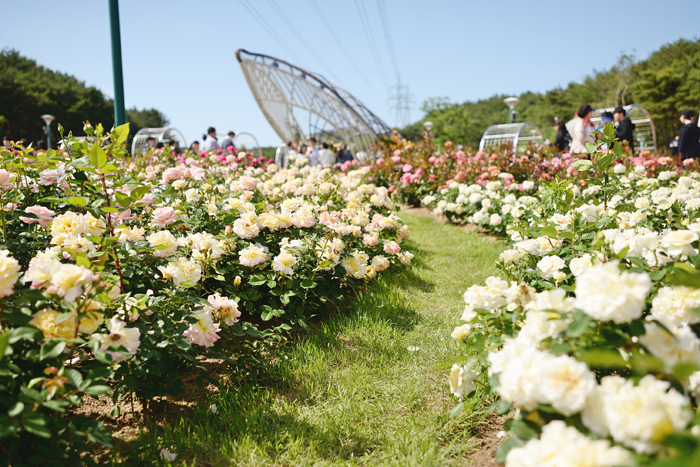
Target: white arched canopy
{"type": "Point", "coordinates": [644, 131]}
{"type": "Point", "coordinates": [166, 135]}
{"type": "Point", "coordinates": [520, 135]}
{"type": "Point", "coordinates": [289, 95]}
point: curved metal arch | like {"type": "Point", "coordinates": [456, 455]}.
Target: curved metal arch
{"type": "Point", "coordinates": [505, 133]}
{"type": "Point", "coordinates": [159, 134]}
{"type": "Point", "coordinates": [260, 153]}
{"type": "Point", "coordinates": [278, 87]}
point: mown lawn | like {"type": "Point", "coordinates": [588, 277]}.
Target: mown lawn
{"type": "Point", "coordinates": [351, 392]}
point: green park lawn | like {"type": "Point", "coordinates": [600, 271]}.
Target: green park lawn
{"type": "Point", "coordinates": [350, 392]}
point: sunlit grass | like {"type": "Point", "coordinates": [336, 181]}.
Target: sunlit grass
{"type": "Point", "coordinates": [350, 392]}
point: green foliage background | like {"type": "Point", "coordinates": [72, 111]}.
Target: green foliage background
{"type": "Point", "coordinates": [665, 83]}
{"type": "Point", "coordinates": [28, 90]}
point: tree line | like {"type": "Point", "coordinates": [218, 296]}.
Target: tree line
{"type": "Point", "coordinates": [665, 83]}
{"type": "Point", "coordinates": [29, 90]}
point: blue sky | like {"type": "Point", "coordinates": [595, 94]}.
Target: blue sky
{"type": "Point", "coordinates": [179, 55]}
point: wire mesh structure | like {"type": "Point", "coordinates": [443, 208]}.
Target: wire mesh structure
{"type": "Point", "coordinates": [288, 95]}
{"type": "Point", "coordinates": [166, 135]}
{"type": "Point", "coordinates": [520, 135]}
{"type": "Point", "coordinates": [644, 131]}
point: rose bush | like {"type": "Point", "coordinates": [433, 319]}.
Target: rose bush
{"type": "Point", "coordinates": [594, 339]}
{"type": "Point", "coordinates": [119, 275]}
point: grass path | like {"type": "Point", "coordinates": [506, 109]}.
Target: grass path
{"type": "Point", "coordinates": [351, 393]}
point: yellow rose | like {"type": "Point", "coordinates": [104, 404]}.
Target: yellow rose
{"type": "Point", "coordinates": [45, 321]}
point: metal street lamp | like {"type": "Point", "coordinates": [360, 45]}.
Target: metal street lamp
{"type": "Point", "coordinates": [428, 125]}
{"type": "Point", "coordinates": [48, 119]}
{"type": "Point", "coordinates": [511, 102]}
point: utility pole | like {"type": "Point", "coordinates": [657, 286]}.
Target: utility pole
{"type": "Point", "coordinates": [119, 110]}
{"type": "Point", "coordinates": [402, 104]}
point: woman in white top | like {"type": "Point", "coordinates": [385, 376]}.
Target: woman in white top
{"type": "Point", "coordinates": [582, 130]}
{"type": "Point", "coordinates": [210, 141]}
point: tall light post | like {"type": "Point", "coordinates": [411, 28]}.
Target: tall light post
{"type": "Point", "coordinates": [48, 119]}
{"type": "Point", "coordinates": [511, 102]}
{"type": "Point", "coordinates": [119, 110]}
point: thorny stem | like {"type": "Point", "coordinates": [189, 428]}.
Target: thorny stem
{"type": "Point", "coordinates": [117, 266]}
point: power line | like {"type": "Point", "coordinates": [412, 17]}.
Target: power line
{"type": "Point", "coordinates": [261, 20]}
{"type": "Point", "coordinates": [299, 36]}
{"type": "Point", "coordinates": [370, 40]}
{"type": "Point", "coordinates": [384, 18]}
{"type": "Point", "coordinates": [403, 101]}
{"type": "Point", "coordinates": [340, 44]}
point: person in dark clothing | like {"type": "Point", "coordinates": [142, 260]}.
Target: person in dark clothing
{"type": "Point", "coordinates": [562, 140]}
{"type": "Point", "coordinates": [625, 127]}
{"type": "Point", "coordinates": [689, 140]}
{"type": "Point", "coordinates": [343, 155]}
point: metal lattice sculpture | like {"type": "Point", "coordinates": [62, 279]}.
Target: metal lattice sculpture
{"type": "Point", "coordinates": [287, 94]}
{"type": "Point", "coordinates": [168, 134]}
{"type": "Point", "coordinates": [520, 135]}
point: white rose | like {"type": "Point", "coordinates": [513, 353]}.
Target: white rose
{"type": "Point", "coordinates": [606, 294]}
{"type": "Point", "coordinates": [677, 243]}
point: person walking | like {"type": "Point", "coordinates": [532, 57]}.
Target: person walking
{"type": "Point", "coordinates": [582, 129]}
{"type": "Point", "coordinates": [326, 156]}
{"type": "Point", "coordinates": [689, 138]}
{"type": "Point", "coordinates": [312, 152]}
{"type": "Point", "coordinates": [562, 140]}
{"type": "Point", "coordinates": [625, 127]}
{"type": "Point", "coordinates": [210, 141]}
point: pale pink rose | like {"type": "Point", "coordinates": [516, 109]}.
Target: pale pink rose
{"type": "Point", "coordinates": [45, 215]}
{"type": "Point", "coordinates": [248, 183]}
{"type": "Point", "coordinates": [49, 177]}
{"type": "Point", "coordinates": [407, 168]}
{"type": "Point", "coordinates": [164, 216]}
{"type": "Point", "coordinates": [396, 159]}
{"type": "Point", "coordinates": [6, 180]}
{"type": "Point", "coordinates": [304, 218]}
{"type": "Point", "coordinates": [171, 174]}
{"type": "Point", "coordinates": [380, 161]}
{"type": "Point", "coordinates": [397, 153]}
{"type": "Point", "coordinates": [392, 248]}
{"type": "Point", "coordinates": [119, 218]}
{"type": "Point", "coordinates": [370, 239]}
{"type": "Point", "coordinates": [230, 159]}
{"type": "Point", "coordinates": [187, 173]}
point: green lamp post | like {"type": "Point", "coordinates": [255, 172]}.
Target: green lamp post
{"type": "Point", "coordinates": [119, 110]}
{"type": "Point", "coordinates": [48, 118]}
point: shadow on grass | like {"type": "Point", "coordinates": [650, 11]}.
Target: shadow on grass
{"type": "Point", "coordinates": [244, 418]}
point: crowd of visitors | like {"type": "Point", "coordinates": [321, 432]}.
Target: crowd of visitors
{"type": "Point", "coordinates": [328, 155]}
{"type": "Point", "coordinates": [687, 143]}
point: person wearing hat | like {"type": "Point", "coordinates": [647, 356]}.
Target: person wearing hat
{"type": "Point", "coordinates": [562, 140]}
{"type": "Point", "coordinates": [689, 140]}
{"type": "Point", "coordinates": [583, 128]}
{"type": "Point", "coordinates": [625, 127]}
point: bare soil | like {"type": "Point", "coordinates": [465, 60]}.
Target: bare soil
{"type": "Point", "coordinates": [486, 442]}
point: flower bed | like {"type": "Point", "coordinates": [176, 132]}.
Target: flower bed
{"type": "Point", "coordinates": [118, 275]}
{"type": "Point", "coordinates": [593, 339]}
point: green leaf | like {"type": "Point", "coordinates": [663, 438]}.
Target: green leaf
{"type": "Point", "coordinates": [4, 341]}
{"type": "Point", "coordinates": [505, 447]}
{"type": "Point", "coordinates": [605, 161]}
{"type": "Point", "coordinates": [525, 430]}
{"type": "Point", "coordinates": [98, 158]}
{"type": "Point", "coordinates": [123, 198]}
{"type": "Point", "coordinates": [603, 359]}
{"type": "Point", "coordinates": [504, 407]}
{"type": "Point", "coordinates": [308, 284]}
{"type": "Point", "coordinates": [582, 165]}
{"type": "Point", "coordinates": [16, 409]}
{"type": "Point", "coordinates": [64, 317]}
{"type": "Point", "coordinates": [74, 377]}
{"type": "Point", "coordinates": [590, 147]}
{"type": "Point", "coordinates": [549, 231]}
{"type": "Point", "coordinates": [82, 261]}
{"type": "Point", "coordinates": [52, 349]}
{"type": "Point", "coordinates": [97, 390]}
{"type": "Point", "coordinates": [138, 193]}
{"type": "Point", "coordinates": [637, 328]}
{"type": "Point", "coordinates": [581, 322]}
{"type": "Point", "coordinates": [122, 133]}
{"type": "Point", "coordinates": [567, 234]}
{"type": "Point", "coordinates": [456, 410]}
{"type": "Point", "coordinates": [35, 424]}
{"type": "Point", "coordinates": [110, 210]}
{"type": "Point", "coordinates": [109, 168]}
{"type": "Point", "coordinates": [77, 201]}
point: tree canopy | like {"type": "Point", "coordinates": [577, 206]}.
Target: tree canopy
{"type": "Point", "coordinates": [29, 90]}
{"type": "Point", "coordinates": [665, 83]}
